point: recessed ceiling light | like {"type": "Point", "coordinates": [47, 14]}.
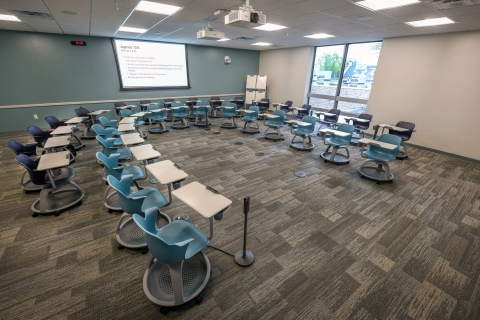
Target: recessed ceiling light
{"type": "Point", "coordinates": [8, 17]}
{"type": "Point", "coordinates": [71, 13]}
{"type": "Point", "coordinates": [384, 4]}
{"type": "Point", "coordinates": [319, 36]}
{"type": "Point", "coordinates": [270, 27]}
{"type": "Point", "coordinates": [136, 30]}
{"type": "Point", "coordinates": [261, 44]}
{"type": "Point", "coordinates": [430, 22]}
{"type": "Point", "coordinates": [158, 8]}
{"type": "Point", "coordinates": [224, 39]}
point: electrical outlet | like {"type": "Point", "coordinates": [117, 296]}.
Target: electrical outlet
{"type": "Point", "coordinates": [35, 117]}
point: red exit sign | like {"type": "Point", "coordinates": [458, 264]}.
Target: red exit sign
{"type": "Point", "coordinates": [78, 43]}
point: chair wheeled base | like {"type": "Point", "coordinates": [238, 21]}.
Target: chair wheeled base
{"type": "Point", "coordinates": [248, 129]}
{"type": "Point", "coordinates": [79, 144]}
{"type": "Point", "coordinates": [160, 129]}
{"type": "Point", "coordinates": [335, 157]}
{"type": "Point", "coordinates": [28, 186]}
{"type": "Point", "coordinates": [88, 133]}
{"type": "Point", "coordinates": [303, 146]}
{"type": "Point", "coordinates": [380, 173]}
{"type": "Point", "coordinates": [56, 200]}
{"type": "Point", "coordinates": [129, 235]}
{"type": "Point", "coordinates": [161, 281]}
{"type": "Point", "coordinates": [275, 136]}
{"type": "Point", "coordinates": [182, 125]}
{"type": "Point", "coordinates": [229, 125]}
{"type": "Point", "coordinates": [402, 153]}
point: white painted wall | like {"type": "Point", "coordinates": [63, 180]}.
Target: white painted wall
{"type": "Point", "coordinates": [287, 71]}
{"type": "Point", "coordinates": [432, 81]}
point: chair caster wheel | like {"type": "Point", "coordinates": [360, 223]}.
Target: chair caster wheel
{"type": "Point", "coordinates": [106, 183]}
{"type": "Point", "coordinates": [110, 211]}
{"type": "Point", "coordinates": [337, 164]}
{"type": "Point", "coordinates": [27, 192]}
{"type": "Point", "coordinates": [348, 162]}
{"type": "Point", "coordinates": [144, 250]}
{"type": "Point", "coordinates": [34, 214]}
{"type": "Point", "coordinates": [283, 139]}
{"type": "Point", "coordinates": [362, 176]}
{"type": "Point", "coordinates": [57, 213]}
{"type": "Point", "coordinates": [378, 182]}
{"type": "Point", "coordinates": [120, 247]}
{"type": "Point", "coordinates": [391, 181]}
{"type": "Point", "coordinates": [401, 159]}
{"type": "Point", "coordinates": [73, 161]}
{"type": "Point", "coordinates": [325, 161]}
{"type": "Point", "coordinates": [163, 310]}
{"type": "Point", "coordinates": [199, 299]}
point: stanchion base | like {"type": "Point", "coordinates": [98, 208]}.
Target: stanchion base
{"type": "Point", "coordinates": [181, 216]}
{"type": "Point", "coordinates": [154, 181]}
{"type": "Point", "coordinates": [244, 261]}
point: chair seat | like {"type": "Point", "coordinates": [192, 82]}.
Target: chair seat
{"type": "Point", "coordinates": [180, 115]}
{"type": "Point", "coordinates": [124, 153]}
{"type": "Point", "coordinates": [199, 113]}
{"type": "Point", "coordinates": [249, 118]}
{"type": "Point", "coordinates": [301, 132]}
{"type": "Point", "coordinates": [66, 173]}
{"type": "Point", "coordinates": [228, 115]}
{"type": "Point", "coordinates": [118, 142]}
{"type": "Point", "coordinates": [326, 122]}
{"type": "Point", "coordinates": [378, 156]}
{"type": "Point", "coordinates": [139, 123]}
{"type": "Point", "coordinates": [339, 141]}
{"type": "Point", "coordinates": [158, 118]}
{"type": "Point", "coordinates": [179, 230]}
{"type": "Point", "coordinates": [136, 171]}
{"type": "Point", "coordinates": [155, 199]}
{"type": "Point", "coordinates": [275, 125]}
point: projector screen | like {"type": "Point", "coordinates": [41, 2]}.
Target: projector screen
{"type": "Point", "coordinates": [151, 65]}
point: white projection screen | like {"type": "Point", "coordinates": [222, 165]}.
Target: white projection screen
{"type": "Point", "coordinates": [151, 65]}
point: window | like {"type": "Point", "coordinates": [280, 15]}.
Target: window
{"type": "Point", "coordinates": [343, 75]}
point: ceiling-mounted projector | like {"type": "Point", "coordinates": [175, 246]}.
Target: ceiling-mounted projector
{"type": "Point", "coordinates": [245, 17]}
{"type": "Point", "coordinates": [209, 33]}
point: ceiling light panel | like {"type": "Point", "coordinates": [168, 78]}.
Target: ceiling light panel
{"type": "Point", "coordinates": [319, 36]}
{"type": "Point", "coordinates": [8, 17]}
{"type": "Point", "coordinates": [270, 27]}
{"type": "Point", "coordinates": [135, 30]}
{"type": "Point", "coordinates": [263, 44]}
{"type": "Point", "coordinates": [224, 39]}
{"type": "Point", "coordinates": [430, 22]}
{"type": "Point", "coordinates": [157, 8]}
{"type": "Point", "coordinates": [377, 5]}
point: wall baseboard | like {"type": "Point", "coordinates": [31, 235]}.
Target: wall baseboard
{"type": "Point", "coordinates": [112, 101]}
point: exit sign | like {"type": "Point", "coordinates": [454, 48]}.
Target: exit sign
{"type": "Point", "coordinates": [78, 43]}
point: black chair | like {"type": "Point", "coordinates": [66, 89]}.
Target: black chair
{"type": "Point", "coordinates": [192, 102]}
{"type": "Point", "coordinates": [144, 104]}
{"type": "Point", "coordinates": [39, 135]}
{"type": "Point", "coordinates": [304, 113]}
{"type": "Point", "coordinates": [118, 107]}
{"type": "Point", "coordinates": [405, 135]}
{"type": "Point", "coordinates": [87, 122]}
{"type": "Point", "coordinates": [29, 150]}
{"type": "Point", "coordinates": [51, 201]}
{"type": "Point", "coordinates": [328, 120]}
{"type": "Point", "coordinates": [215, 103]}
{"type": "Point", "coordinates": [361, 126]}
{"type": "Point", "coordinates": [239, 101]}
{"type": "Point", "coordinates": [286, 106]}
{"type": "Point", "coordinates": [263, 105]}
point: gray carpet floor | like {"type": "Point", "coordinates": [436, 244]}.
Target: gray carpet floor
{"type": "Point", "coordinates": [327, 246]}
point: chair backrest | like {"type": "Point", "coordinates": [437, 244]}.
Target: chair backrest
{"type": "Point", "coordinates": [230, 112]}
{"type": "Point", "coordinates": [37, 177]}
{"type": "Point", "coordinates": [264, 103]}
{"type": "Point", "coordinates": [405, 135]}
{"type": "Point", "coordinates": [254, 114]}
{"type": "Point", "coordinates": [167, 100]}
{"type": "Point", "coordinates": [343, 141]}
{"type": "Point", "coordinates": [158, 247]}
{"type": "Point", "coordinates": [201, 103]}
{"type": "Point", "coordinates": [280, 120]}
{"type": "Point", "coordinates": [105, 133]}
{"type": "Point", "coordinates": [110, 164]}
{"type": "Point", "coordinates": [180, 111]}
{"type": "Point", "coordinates": [107, 123]}
{"type": "Point", "coordinates": [306, 112]}
{"type": "Point", "coordinates": [18, 148]}
{"type": "Point", "coordinates": [193, 99]}
{"type": "Point", "coordinates": [144, 102]}
{"type": "Point", "coordinates": [334, 118]}
{"type": "Point", "coordinates": [286, 108]}
{"type": "Point", "coordinates": [39, 135]}
{"type": "Point", "coordinates": [176, 104]}
{"type": "Point", "coordinates": [215, 103]}
{"type": "Point", "coordinates": [125, 113]}
{"type": "Point", "coordinates": [82, 112]}
{"type": "Point", "coordinates": [122, 187]}
{"type": "Point", "coordinates": [312, 121]}
{"type": "Point", "coordinates": [119, 104]}
{"type": "Point", "coordinates": [363, 125]}
{"type": "Point", "coordinates": [54, 123]}
{"type": "Point", "coordinates": [387, 138]}
{"type": "Point", "coordinates": [106, 144]}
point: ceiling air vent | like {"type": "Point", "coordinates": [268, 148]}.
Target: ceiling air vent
{"type": "Point", "coordinates": [448, 4]}
{"type": "Point", "coordinates": [32, 14]}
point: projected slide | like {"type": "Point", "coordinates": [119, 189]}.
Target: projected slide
{"type": "Point", "coordinates": [151, 65]}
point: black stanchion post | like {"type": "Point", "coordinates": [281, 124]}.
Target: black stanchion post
{"type": "Point", "coordinates": [244, 257]}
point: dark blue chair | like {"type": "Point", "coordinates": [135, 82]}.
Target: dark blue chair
{"type": "Point", "coordinates": [328, 120]}
{"type": "Point", "coordinates": [405, 135]}
{"type": "Point", "coordinates": [39, 135]}
{"type": "Point", "coordinates": [29, 150]}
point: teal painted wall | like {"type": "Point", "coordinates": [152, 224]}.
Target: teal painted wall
{"type": "Point", "coordinates": [46, 68]}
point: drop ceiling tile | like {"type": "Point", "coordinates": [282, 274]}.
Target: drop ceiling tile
{"type": "Point", "coordinates": [397, 26]}
{"type": "Point", "coordinates": [267, 6]}
{"type": "Point", "coordinates": [110, 9]}
{"type": "Point", "coordinates": [420, 16]}
{"type": "Point", "coordinates": [303, 19]}
{"type": "Point", "coordinates": [278, 15]}
{"type": "Point", "coordinates": [32, 2]}
{"type": "Point", "coordinates": [104, 18]}
{"type": "Point", "coordinates": [467, 18]}
{"type": "Point", "coordinates": [76, 30]}
{"type": "Point", "coordinates": [104, 29]}
{"type": "Point", "coordinates": [381, 22]}
{"type": "Point", "coordinates": [471, 25]}
{"type": "Point", "coordinates": [13, 25]}
{"type": "Point", "coordinates": [121, 4]}
{"type": "Point", "coordinates": [25, 7]}
{"type": "Point", "coordinates": [411, 9]}
{"type": "Point", "coordinates": [461, 11]}
{"type": "Point", "coordinates": [41, 27]}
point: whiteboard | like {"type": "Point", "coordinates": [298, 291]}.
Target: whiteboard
{"type": "Point", "coordinates": [251, 82]}
{"type": "Point", "coordinates": [260, 95]}
{"type": "Point", "coordinates": [249, 97]}
{"type": "Point", "coordinates": [262, 82]}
